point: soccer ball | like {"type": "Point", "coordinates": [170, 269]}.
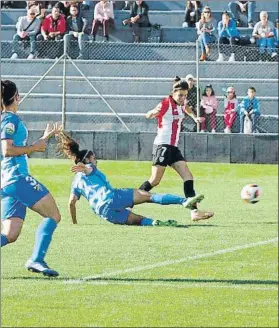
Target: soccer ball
{"type": "Point", "coordinates": [251, 193]}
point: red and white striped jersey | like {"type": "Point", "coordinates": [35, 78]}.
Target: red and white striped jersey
{"type": "Point", "coordinates": [169, 122]}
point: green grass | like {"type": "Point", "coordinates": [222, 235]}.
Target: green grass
{"type": "Point", "coordinates": [234, 289]}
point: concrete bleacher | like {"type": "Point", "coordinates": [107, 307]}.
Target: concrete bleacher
{"type": "Point", "coordinates": [134, 77]}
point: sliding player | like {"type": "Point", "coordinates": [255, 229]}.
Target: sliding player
{"type": "Point", "coordinates": [109, 203]}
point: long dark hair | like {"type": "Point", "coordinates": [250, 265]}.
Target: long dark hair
{"type": "Point", "coordinates": [8, 93]}
{"type": "Point", "coordinates": [209, 86]}
{"type": "Point", "coordinates": [70, 148]}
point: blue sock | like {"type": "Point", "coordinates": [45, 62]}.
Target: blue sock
{"type": "Point", "coordinates": [166, 199]}
{"type": "Point", "coordinates": [146, 222]}
{"type": "Point", "coordinates": [43, 238]}
{"type": "Point", "coordinates": [4, 240]}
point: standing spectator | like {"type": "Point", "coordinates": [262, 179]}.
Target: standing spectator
{"type": "Point", "coordinates": [264, 34]}
{"type": "Point", "coordinates": [206, 32]}
{"type": "Point", "coordinates": [54, 26]}
{"type": "Point", "coordinates": [27, 29]}
{"type": "Point", "coordinates": [192, 96]}
{"type": "Point", "coordinates": [228, 34]}
{"type": "Point", "coordinates": [76, 27]}
{"type": "Point", "coordinates": [138, 18]}
{"type": "Point", "coordinates": [209, 108]}
{"type": "Point", "coordinates": [103, 15]}
{"type": "Point", "coordinates": [249, 107]}
{"type": "Point", "coordinates": [244, 7]}
{"type": "Point", "coordinates": [231, 107]}
{"type": "Point", "coordinates": [192, 13]}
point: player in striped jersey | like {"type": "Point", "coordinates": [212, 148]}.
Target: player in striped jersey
{"type": "Point", "coordinates": [170, 113]}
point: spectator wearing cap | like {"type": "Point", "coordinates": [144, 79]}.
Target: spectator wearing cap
{"type": "Point", "coordinates": [27, 29]}
{"type": "Point", "coordinates": [192, 13]}
{"type": "Point", "coordinates": [228, 34]}
{"type": "Point", "coordinates": [76, 28]}
{"type": "Point", "coordinates": [138, 18]}
{"type": "Point", "coordinates": [54, 26]}
{"type": "Point", "coordinates": [207, 27]}
{"type": "Point", "coordinates": [103, 16]}
{"type": "Point", "coordinates": [230, 109]}
{"type": "Point", "coordinates": [209, 108]}
{"type": "Point", "coordinates": [264, 34]}
{"type": "Point", "coordinates": [242, 7]}
{"type": "Point", "coordinates": [192, 96]}
{"type": "Point", "coordinates": [249, 107]}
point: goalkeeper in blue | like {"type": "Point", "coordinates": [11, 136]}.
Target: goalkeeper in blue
{"type": "Point", "coordinates": [19, 189]}
{"type": "Point", "coordinates": [106, 202]}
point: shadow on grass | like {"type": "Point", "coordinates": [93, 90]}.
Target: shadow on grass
{"type": "Point", "coordinates": [166, 280]}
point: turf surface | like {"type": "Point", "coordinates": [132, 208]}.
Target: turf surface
{"type": "Point", "coordinates": [127, 284]}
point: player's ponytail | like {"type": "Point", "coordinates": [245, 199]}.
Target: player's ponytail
{"type": "Point", "coordinates": [70, 148]}
{"type": "Point", "coordinates": [179, 84]}
{"type": "Point", "coordinates": [8, 92]}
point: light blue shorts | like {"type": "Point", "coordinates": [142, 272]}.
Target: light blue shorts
{"type": "Point", "coordinates": [23, 193]}
{"type": "Point", "coordinates": [116, 210]}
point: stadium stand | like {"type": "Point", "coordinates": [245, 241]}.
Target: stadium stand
{"type": "Point", "coordinates": [134, 77]}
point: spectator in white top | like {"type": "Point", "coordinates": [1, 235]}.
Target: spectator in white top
{"type": "Point", "coordinates": [27, 29]}
{"type": "Point", "coordinates": [103, 15]}
{"type": "Point", "coordinates": [264, 34]}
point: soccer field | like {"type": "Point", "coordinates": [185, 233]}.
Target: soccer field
{"type": "Point", "coordinates": [220, 273]}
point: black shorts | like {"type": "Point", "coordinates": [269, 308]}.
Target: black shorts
{"type": "Point", "coordinates": [164, 155]}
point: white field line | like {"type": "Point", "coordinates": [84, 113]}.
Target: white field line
{"type": "Point", "coordinates": [179, 285]}
{"type": "Point", "coordinates": [172, 262]}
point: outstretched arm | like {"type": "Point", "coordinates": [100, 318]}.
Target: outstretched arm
{"type": "Point", "coordinates": [72, 207]}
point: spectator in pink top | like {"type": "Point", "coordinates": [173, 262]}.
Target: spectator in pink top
{"type": "Point", "coordinates": [209, 108]}
{"type": "Point", "coordinates": [104, 16]}
{"type": "Point", "coordinates": [231, 108]}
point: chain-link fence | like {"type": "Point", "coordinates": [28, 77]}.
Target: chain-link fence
{"type": "Point", "coordinates": [112, 85]}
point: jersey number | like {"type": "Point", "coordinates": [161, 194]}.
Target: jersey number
{"type": "Point", "coordinates": [164, 149]}
{"type": "Point", "coordinates": [35, 184]}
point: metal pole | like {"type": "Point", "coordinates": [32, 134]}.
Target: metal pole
{"type": "Point", "coordinates": [198, 84]}
{"type": "Point", "coordinates": [46, 73]}
{"type": "Point", "coordinates": [104, 100]}
{"type": "Point", "coordinates": [63, 107]}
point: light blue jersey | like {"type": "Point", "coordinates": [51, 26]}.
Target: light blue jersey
{"type": "Point", "coordinates": [95, 188]}
{"type": "Point", "coordinates": [13, 168]}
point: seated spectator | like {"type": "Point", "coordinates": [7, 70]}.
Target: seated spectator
{"type": "Point", "coordinates": [209, 108]}
{"type": "Point", "coordinates": [192, 13]}
{"type": "Point", "coordinates": [249, 107]}
{"type": "Point", "coordinates": [27, 29]}
{"type": "Point", "coordinates": [64, 7]}
{"type": "Point", "coordinates": [104, 16]}
{"type": "Point", "coordinates": [206, 32]}
{"type": "Point", "coordinates": [54, 26]}
{"type": "Point", "coordinates": [276, 33]}
{"type": "Point", "coordinates": [228, 34]}
{"type": "Point", "coordinates": [244, 7]}
{"type": "Point", "coordinates": [264, 34]}
{"type": "Point", "coordinates": [138, 18]}
{"type": "Point", "coordinates": [39, 7]}
{"type": "Point", "coordinates": [13, 4]}
{"type": "Point", "coordinates": [76, 27]}
{"type": "Point", "coordinates": [231, 107]}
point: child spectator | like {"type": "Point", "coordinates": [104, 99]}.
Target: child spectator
{"type": "Point", "coordinates": [264, 34]}
{"type": "Point", "coordinates": [54, 26]}
{"type": "Point", "coordinates": [244, 7]}
{"type": "Point", "coordinates": [76, 27]}
{"type": "Point", "coordinates": [27, 29]}
{"type": "Point", "coordinates": [228, 34]}
{"type": "Point", "coordinates": [206, 32]}
{"type": "Point", "coordinates": [192, 13]}
{"type": "Point", "coordinates": [231, 107]}
{"type": "Point", "coordinates": [249, 107]}
{"type": "Point", "coordinates": [138, 18]}
{"type": "Point", "coordinates": [103, 15]}
{"type": "Point", "coordinates": [209, 108]}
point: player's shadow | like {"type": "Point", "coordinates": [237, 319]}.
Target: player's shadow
{"type": "Point", "coordinates": [188, 280]}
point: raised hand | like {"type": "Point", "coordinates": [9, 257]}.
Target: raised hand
{"type": "Point", "coordinates": [50, 131]}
